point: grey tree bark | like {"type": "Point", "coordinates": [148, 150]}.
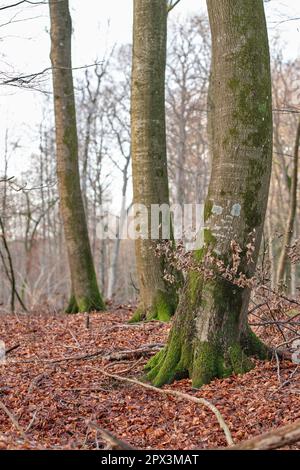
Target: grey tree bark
{"type": "Point", "coordinates": [86, 295]}
{"type": "Point", "coordinates": [210, 336]}
{"type": "Point", "coordinates": [149, 160]}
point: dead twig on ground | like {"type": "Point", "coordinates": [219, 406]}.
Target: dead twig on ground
{"type": "Point", "coordinates": [118, 355]}
{"type": "Point", "coordinates": [32, 419]}
{"type": "Point", "coordinates": [14, 421]}
{"type": "Point", "coordinates": [278, 367]}
{"type": "Point", "coordinates": [9, 350]}
{"type": "Point", "coordinates": [112, 442]}
{"type": "Point", "coordinates": [286, 382]}
{"type": "Point", "coordinates": [181, 396]}
{"type": "Point", "coordinates": [275, 439]}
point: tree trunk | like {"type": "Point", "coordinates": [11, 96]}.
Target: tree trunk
{"type": "Point", "coordinates": [271, 252]}
{"type": "Point", "coordinates": [112, 272]}
{"type": "Point", "coordinates": [149, 161]}
{"type": "Point", "coordinates": [210, 336]}
{"type": "Point", "coordinates": [84, 283]}
{"type": "Point", "coordinates": [282, 264]}
{"type": "Point", "coordinates": [294, 270]}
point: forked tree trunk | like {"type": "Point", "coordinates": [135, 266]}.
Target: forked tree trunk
{"type": "Point", "coordinates": [84, 283]}
{"type": "Point", "coordinates": [210, 336]}
{"type": "Point", "coordinates": [149, 161]}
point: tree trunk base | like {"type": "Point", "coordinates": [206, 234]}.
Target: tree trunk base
{"type": "Point", "coordinates": [206, 362]}
{"type": "Point", "coordinates": [72, 306]}
{"type": "Point", "coordinates": [85, 304]}
{"type": "Point", "coordinates": [162, 309]}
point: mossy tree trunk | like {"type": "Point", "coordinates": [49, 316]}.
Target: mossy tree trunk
{"type": "Point", "coordinates": [149, 160]}
{"type": "Point", "coordinates": [210, 336]}
{"type": "Point", "coordinates": [86, 295]}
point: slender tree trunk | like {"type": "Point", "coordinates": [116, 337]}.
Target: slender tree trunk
{"type": "Point", "coordinates": [271, 252]}
{"type": "Point", "coordinates": [181, 157]}
{"type": "Point", "coordinates": [293, 280]}
{"type": "Point", "coordinates": [149, 161]}
{"type": "Point", "coordinates": [86, 149]}
{"type": "Point", "coordinates": [210, 336]}
{"type": "Point", "coordinates": [84, 283]}
{"type": "Point", "coordinates": [112, 275]}
{"type": "Point", "coordinates": [294, 266]}
{"type": "Point", "coordinates": [9, 270]}
{"type": "Point", "coordinates": [282, 264]}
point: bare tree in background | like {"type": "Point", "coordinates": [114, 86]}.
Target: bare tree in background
{"type": "Point", "coordinates": [287, 239]}
{"type": "Point", "coordinates": [188, 63]}
{"type": "Point", "coordinates": [117, 112]}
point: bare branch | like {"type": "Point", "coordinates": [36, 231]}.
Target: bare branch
{"type": "Point", "coordinates": [12, 5]}
{"type": "Point", "coordinates": [172, 4]}
{"type": "Point", "coordinates": [280, 437]}
{"type": "Point", "coordinates": [23, 80]}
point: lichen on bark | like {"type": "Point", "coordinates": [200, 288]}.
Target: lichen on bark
{"type": "Point", "coordinates": [210, 336]}
{"type": "Point", "coordinates": [148, 144]}
{"type": "Point", "coordinates": [86, 295]}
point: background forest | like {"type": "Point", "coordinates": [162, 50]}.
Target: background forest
{"type": "Point", "coordinates": [30, 213]}
{"type": "Point", "coordinates": [120, 343]}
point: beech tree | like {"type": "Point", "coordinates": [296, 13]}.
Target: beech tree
{"type": "Point", "coordinates": [148, 146]}
{"type": "Point", "coordinates": [210, 336]}
{"type": "Point", "coordinates": [86, 295]}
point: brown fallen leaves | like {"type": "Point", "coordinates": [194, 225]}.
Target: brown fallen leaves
{"type": "Point", "coordinates": [53, 401]}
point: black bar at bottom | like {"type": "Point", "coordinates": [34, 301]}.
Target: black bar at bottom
{"type": "Point", "coordinates": [135, 459]}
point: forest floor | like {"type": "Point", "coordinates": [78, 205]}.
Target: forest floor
{"type": "Point", "coordinates": [56, 396]}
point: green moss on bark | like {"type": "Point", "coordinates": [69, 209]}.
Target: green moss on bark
{"type": "Point", "coordinates": [138, 315]}
{"type": "Point", "coordinates": [89, 303]}
{"type": "Point", "coordinates": [92, 303]}
{"type": "Point", "coordinates": [202, 364]}
{"type": "Point", "coordinates": [210, 337]}
{"type": "Point", "coordinates": [239, 362]}
{"type": "Point", "coordinates": [210, 310]}
{"type": "Point", "coordinates": [169, 364]}
{"type": "Point", "coordinates": [162, 308]}
{"type": "Point", "coordinates": [253, 346]}
{"type": "Point", "coordinates": [72, 305]}
{"type": "Point", "coordinates": [206, 365]}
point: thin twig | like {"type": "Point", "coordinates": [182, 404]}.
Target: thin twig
{"type": "Point", "coordinates": [32, 419]}
{"type": "Point", "coordinates": [113, 442]}
{"type": "Point", "coordinates": [286, 382]}
{"type": "Point", "coordinates": [278, 366]}
{"type": "Point", "coordinates": [9, 350]}
{"type": "Point", "coordinates": [117, 355]}
{"type": "Point", "coordinates": [172, 5]}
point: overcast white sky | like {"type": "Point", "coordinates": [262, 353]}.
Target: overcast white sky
{"type": "Point", "coordinates": [24, 48]}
